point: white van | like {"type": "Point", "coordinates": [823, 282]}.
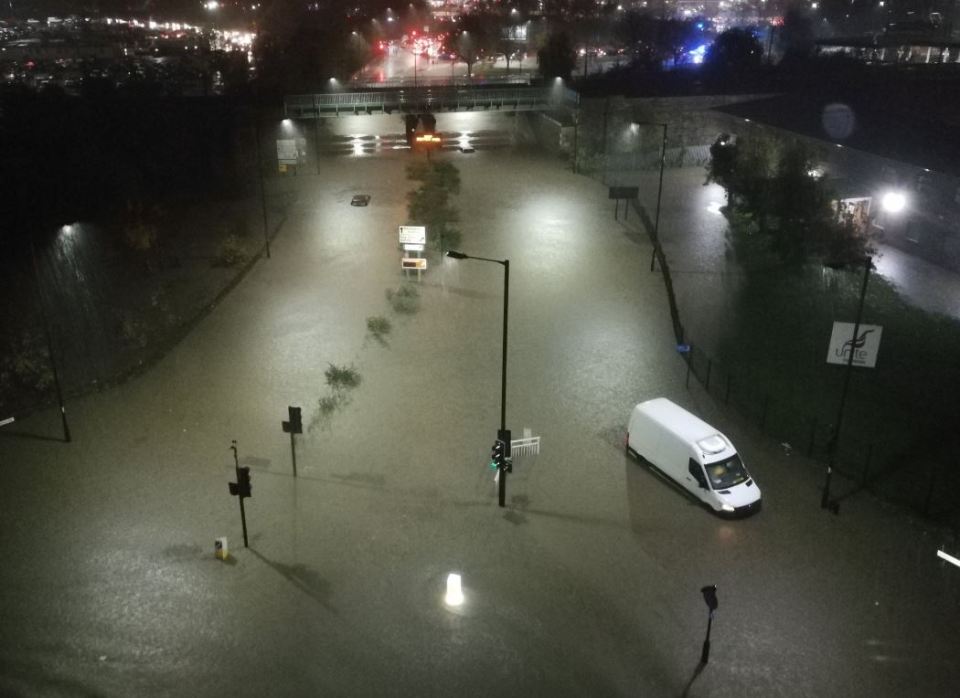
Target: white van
{"type": "Point", "coordinates": [693, 454]}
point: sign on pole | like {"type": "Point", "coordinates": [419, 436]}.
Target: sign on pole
{"type": "Point", "coordinates": [413, 248]}
{"type": "Point", "coordinates": [287, 151]}
{"type": "Point", "coordinates": [864, 346]}
{"type": "Point", "coordinates": [413, 235]}
{"type": "Point", "coordinates": [417, 263]}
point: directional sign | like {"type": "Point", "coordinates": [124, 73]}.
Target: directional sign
{"type": "Point", "coordinates": [287, 151]}
{"type": "Point", "coordinates": [864, 346]}
{"type": "Point", "coordinates": [413, 263]}
{"type": "Point", "coordinates": [624, 192]}
{"type": "Point", "coordinates": [413, 235]}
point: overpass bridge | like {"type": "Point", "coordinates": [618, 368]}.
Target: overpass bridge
{"type": "Point", "coordinates": [419, 100]}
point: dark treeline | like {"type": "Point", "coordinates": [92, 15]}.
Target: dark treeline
{"type": "Point", "coordinates": [65, 159]}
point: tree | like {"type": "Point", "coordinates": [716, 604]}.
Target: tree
{"type": "Point", "coordinates": [778, 211]}
{"type": "Point", "coordinates": [430, 204]}
{"type": "Point", "coordinates": [479, 36]}
{"type": "Point", "coordinates": [796, 34]}
{"type": "Point", "coordinates": [300, 46]}
{"type": "Point", "coordinates": [734, 52]}
{"type": "Point", "coordinates": [723, 160]}
{"type": "Point", "coordinates": [557, 58]}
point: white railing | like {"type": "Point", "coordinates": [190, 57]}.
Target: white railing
{"type": "Point", "coordinates": [525, 447]}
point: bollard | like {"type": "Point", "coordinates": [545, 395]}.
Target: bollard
{"type": "Point", "coordinates": [220, 550]}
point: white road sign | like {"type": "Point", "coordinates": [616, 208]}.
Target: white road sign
{"type": "Point", "coordinates": [413, 248]}
{"type": "Point", "coordinates": [413, 235]}
{"type": "Point", "coordinates": [865, 346]}
{"type": "Point", "coordinates": [417, 263]}
{"type": "Point", "coordinates": [287, 151]}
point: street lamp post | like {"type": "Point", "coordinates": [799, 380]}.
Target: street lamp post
{"type": "Point", "coordinates": [263, 195]}
{"type": "Point", "coordinates": [656, 221]}
{"type": "Point", "coordinates": [825, 502]}
{"type": "Point", "coordinates": [49, 341]}
{"type": "Point", "coordinates": [505, 263]}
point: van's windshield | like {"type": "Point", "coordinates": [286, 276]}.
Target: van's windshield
{"type": "Point", "coordinates": [726, 473]}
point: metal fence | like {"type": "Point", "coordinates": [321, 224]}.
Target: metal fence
{"type": "Point", "coordinates": [901, 473]}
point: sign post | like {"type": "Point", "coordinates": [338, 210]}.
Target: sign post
{"type": "Point", "coordinates": [241, 488]}
{"type": "Point", "coordinates": [618, 193]}
{"type": "Point", "coordinates": [864, 345]}
{"type": "Point", "coordinates": [849, 351]}
{"type": "Point", "coordinates": [294, 426]}
{"type": "Point", "coordinates": [413, 238]}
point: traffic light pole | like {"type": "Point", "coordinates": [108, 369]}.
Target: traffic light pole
{"type": "Point", "coordinates": [293, 427]}
{"type": "Point", "coordinates": [243, 515]}
{"type": "Point", "coordinates": [293, 453]}
{"type": "Point", "coordinates": [503, 434]}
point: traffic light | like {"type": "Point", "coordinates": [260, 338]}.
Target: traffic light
{"type": "Point", "coordinates": [295, 425]}
{"type": "Point", "coordinates": [497, 455]}
{"type": "Point", "coordinates": [503, 437]}
{"type": "Point", "coordinates": [244, 487]}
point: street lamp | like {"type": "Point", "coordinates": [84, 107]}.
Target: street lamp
{"type": "Point", "coordinates": [825, 502]}
{"type": "Point", "coordinates": [893, 202]}
{"type": "Point", "coordinates": [47, 337]}
{"type": "Point", "coordinates": [263, 194]}
{"type": "Point", "coordinates": [656, 220]}
{"type": "Point", "coordinates": [505, 263]}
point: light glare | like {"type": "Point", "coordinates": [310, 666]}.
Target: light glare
{"type": "Point", "coordinates": [949, 558]}
{"type": "Point", "coordinates": [893, 202]}
{"type": "Point", "coordinates": [454, 590]}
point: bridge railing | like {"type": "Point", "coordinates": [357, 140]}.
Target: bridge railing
{"type": "Point", "coordinates": [440, 98]}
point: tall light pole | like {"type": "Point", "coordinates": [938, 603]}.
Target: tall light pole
{"type": "Point", "coordinates": [47, 337]}
{"type": "Point", "coordinates": [503, 434]}
{"type": "Point", "coordinates": [263, 195]}
{"type": "Point", "coordinates": [656, 220]}
{"type": "Point", "coordinates": [825, 502]}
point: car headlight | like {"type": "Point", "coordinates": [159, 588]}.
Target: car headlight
{"type": "Point", "coordinates": [727, 507]}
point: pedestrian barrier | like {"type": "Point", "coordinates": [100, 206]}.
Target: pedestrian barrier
{"type": "Point", "coordinates": [525, 447]}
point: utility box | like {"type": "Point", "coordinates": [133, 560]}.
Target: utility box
{"type": "Point", "coordinates": [220, 548]}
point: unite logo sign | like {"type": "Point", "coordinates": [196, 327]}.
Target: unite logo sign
{"type": "Point", "coordinates": [864, 346]}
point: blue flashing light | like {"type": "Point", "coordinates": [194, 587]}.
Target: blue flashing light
{"type": "Point", "coordinates": [697, 54]}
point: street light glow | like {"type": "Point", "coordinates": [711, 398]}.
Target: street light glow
{"type": "Point", "coordinates": [454, 595]}
{"type": "Point", "coordinates": [893, 202]}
